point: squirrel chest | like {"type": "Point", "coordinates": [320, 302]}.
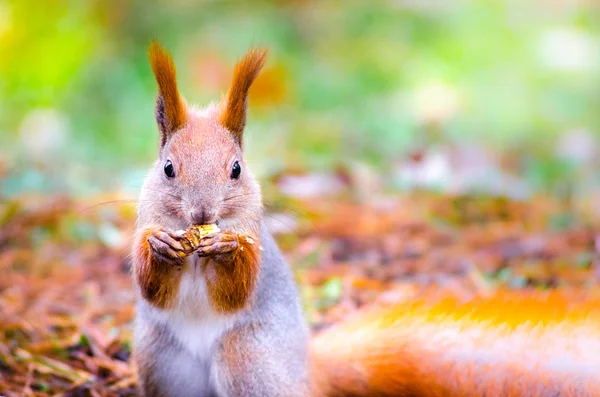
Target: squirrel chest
{"type": "Point", "coordinates": [192, 321]}
{"type": "Point", "coordinates": [192, 329]}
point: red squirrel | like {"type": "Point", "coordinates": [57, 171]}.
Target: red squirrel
{"type": "Point", "coordinates": [226, 320]}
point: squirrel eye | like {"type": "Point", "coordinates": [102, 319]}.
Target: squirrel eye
{"type": "Point", "coordinates": [236, 170]}
{"type": "Point", "coordinates": [169, 170]}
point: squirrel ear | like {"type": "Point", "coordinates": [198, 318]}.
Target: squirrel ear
{"type": "Point", "coordinates": [233, 111]}
{"type": "Point", "coordinates": [171, 110]}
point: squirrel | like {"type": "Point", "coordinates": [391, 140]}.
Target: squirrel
{"type": "Point", "coordinates": [225, 319]}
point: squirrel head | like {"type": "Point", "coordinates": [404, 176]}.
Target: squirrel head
{"type": "Point", "coordinates": [200, 176]}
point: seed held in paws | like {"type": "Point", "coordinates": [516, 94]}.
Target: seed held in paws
{"type": "Point", "coordinates": [193, 235]}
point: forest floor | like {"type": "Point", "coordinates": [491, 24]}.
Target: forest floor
{"type": "Point", "coordinates": [66, 302]}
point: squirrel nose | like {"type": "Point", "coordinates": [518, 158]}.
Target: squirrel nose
{"type": "Point", "coordinates": [202, 217]}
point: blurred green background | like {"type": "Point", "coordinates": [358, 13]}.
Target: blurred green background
{"type": "Point", "coordinates": [501, 95]}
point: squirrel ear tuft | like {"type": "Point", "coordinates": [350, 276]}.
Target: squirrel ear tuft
{"type": "Point", "coordinates": [233, 110]}
{"type": "Point", "coordinates": [171, 109]}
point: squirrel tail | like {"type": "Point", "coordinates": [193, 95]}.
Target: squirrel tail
{"type": "Point", "coordinates": [509, 345]}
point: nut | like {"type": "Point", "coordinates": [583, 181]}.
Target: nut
{"type": "Point", "coordinates": [193, 235]}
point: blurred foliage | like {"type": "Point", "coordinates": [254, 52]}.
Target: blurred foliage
{"type": "Point", "coordinates": [363, 80]}
{"type": "Point", "coordinates": [358, 98]}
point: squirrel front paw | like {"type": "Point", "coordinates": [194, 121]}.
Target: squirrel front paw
{"type": "Point", "coordinates": [220, 244]}
{"type": "Point", "coordinates": [166, 246]}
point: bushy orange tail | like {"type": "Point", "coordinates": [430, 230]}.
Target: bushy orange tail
{"type": "Point", "coordinates": [509, 345]}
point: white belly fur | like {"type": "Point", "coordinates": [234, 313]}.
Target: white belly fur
{"type": "Point", "coordinates": [192, 320]}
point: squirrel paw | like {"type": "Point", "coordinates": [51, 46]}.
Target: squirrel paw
{"type": "Point", "coordinates": [166, 246]}
{"type": "Point", "coordinates": [219, 244]}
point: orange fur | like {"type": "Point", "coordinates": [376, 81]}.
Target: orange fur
{"type": "Point", "coordinates": [233, 114]}
{"type": "Point", "coordinates": [158, 281]}
{"type": "Point", "coordinates": [234, 275]}
{"type": "Point", "coordinates": [509, 345]}
{"type": "Point", "coordinates": [175, 109]}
